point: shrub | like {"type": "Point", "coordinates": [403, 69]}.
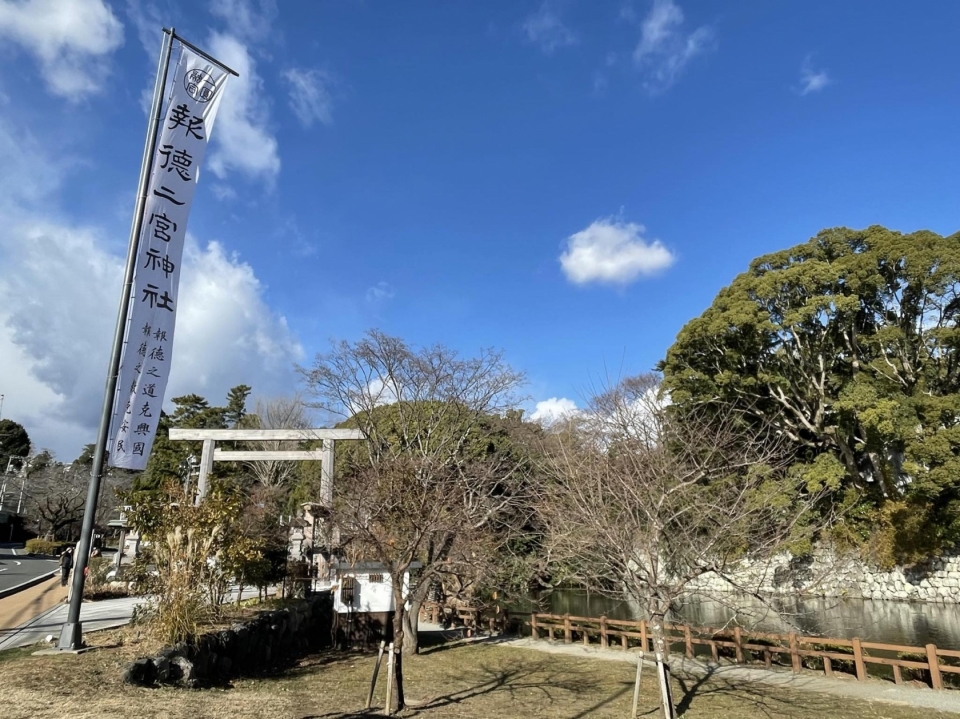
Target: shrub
{"type": "Point", "coordinates": [44, 546]}
{"type": "Point", "coordinates": [194, 553]}
{"type": "Point", "coordinates": [96, 576]}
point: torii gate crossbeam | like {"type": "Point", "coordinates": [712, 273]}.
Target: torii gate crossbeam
{"type": "Point", "coordinates": [211, 454]}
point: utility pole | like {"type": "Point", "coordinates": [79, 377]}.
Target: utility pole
{"type": "Point", "coordinates": [1, 406]}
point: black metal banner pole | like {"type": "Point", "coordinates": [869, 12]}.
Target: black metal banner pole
{"type": "Point", "coordinates": [71, 634]}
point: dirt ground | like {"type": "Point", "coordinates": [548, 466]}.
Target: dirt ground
{"type": "Point", "coordinates": [470, 681]}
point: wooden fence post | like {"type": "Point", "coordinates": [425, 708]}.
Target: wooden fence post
{"type": "Point", "coordinates": [858, 660]}
{"type": "Point", "coordinates": [738, 644]}
{"type": "Point", "coordinates": [794, 656]}
{"type": "Point", "coordinates": [586, 635]}
{"type": "Point", "coordinates": [604, 642]}
{"type": "Point", "coordinates": [935, 680]}
{"type": "Point", "coordinates": [624, 642]}
{"type": "Point", "coordinates": [688, 640]}
{"type": "Point", "coordinates": [567, 630]}
{"type": "Point", "coordinates": [643, 635]}
{"type": "Point", "coordinates": [533, 626]}
{"type": "Point", "coordinates": [828, 667]}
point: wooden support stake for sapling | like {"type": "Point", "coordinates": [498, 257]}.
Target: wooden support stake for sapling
{"type": "Point", "coordinates": [636, 687]}
{"type": "Point", "coordinates": [389, 708]}
{"type": "Point", "coordinates": [376, 671]}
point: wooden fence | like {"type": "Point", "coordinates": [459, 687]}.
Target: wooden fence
{"type": "Point", "coordinates": [744, 647]}
{"type": "Point", "coordinates": [472, 619]}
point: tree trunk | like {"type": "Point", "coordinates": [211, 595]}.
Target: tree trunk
{"type": "Point", "coordinates": [399, 619]}
{"type": "Point", "coordinates": [411, 627]}
{"type": "Point", "coordinates": [660, 651]}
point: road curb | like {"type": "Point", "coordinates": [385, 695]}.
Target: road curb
{"type": "Point", "coordinates": [27, 584]}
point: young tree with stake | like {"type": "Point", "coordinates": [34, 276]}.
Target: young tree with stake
{"type": "Point", "coordinates": [641, 502]}
{"type": "Point", "coordinates": [429, 479]}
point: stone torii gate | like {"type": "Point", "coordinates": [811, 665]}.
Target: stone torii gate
{"type": "Point", "coordinates": [211, 454]}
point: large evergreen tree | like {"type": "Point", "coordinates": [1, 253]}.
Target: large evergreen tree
{"type": "Point", "coordinates": [14, 442]}
{"type": "Point", "coordinates": [848, 344]}
{"type": "Point", "coordinates": [168, 459]}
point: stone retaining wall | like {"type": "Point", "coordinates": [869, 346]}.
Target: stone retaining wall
{"type": "Point", "coordinates": [258, 646]}
{"type": "Point", "coordinates": [827, 575]}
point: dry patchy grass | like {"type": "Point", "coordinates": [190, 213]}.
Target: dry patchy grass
{"type": "Point", "coordinates": [474, 681]}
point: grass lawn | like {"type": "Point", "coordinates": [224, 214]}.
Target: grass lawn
{"type": "Point", "coordinates": [481, 681]}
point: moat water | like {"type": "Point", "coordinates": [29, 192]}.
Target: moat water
{"type": "Point", "coordinates": [913, 624]}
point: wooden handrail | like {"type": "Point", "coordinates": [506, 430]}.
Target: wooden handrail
{"type": "Point", "coordinates": [743, 645]}
{"type": "Point", "coordinates": [746, 649]}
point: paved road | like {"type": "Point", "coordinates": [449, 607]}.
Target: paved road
{"type": "Point", "coordinates": [16, 567]}
{"type": "Point", "coordinates": [94, 615]}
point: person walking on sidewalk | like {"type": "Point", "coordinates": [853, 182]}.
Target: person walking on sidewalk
{"type": "Point", "coordinates": [66, 564]}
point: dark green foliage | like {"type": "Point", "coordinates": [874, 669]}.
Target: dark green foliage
{"type": "Point", "coordinates": [86, 456]}
{"type": "Point", "coordinates": [14, 442]}
{"type": "Point", "coordinates": [40, 461]}
{"type": "Point", "coordinates": [847, 343]}
{"type": "Point", "coordinates": [168, 460]}
{"type": "Point", "coordinates": [236, 407]}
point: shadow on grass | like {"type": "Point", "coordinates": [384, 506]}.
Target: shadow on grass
{"type": "Point", "coordinates": [432, 645]}
{"type": "Point", "coordinates": [510, 680]}
{"type": "Point", "coordinates": [766, 700]}
{"type": "Point", "coordinates": [311, 662]}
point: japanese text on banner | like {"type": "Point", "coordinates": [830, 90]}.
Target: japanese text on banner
{"type": "Point", "coordinates": [148, 342]}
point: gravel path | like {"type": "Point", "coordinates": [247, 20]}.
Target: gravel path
{"type": "Point", "coordinates": [872, 689]}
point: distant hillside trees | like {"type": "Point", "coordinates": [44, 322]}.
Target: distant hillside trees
{"type": "Point", "coordinates": [846, 344]}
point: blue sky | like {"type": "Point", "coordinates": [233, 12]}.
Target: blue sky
{"type": "Point", "coordinates": [569, 181]}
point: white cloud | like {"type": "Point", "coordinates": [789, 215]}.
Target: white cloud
{"type": "Point", "coordinates": [242, 140]}
{"type": "Point", "coordinates": [57, 306]}
{"type": "Point", "coordinates": [27, 174]}
{"type": "Point", "coordinates": [812, 80]}
{"type": "Point", "coordinates": [226, 332]}
{"type": "Point", "coordinates": [223, 192]}
{"type": "Point", "coordinates": [147, 18]}
{"type": "Point", "coordinates": [245, 18]}
{"type": "Point", "coordinates": [664, 49]}
{"type": "Point", "coordinates": [614, 252]}
{"type": "Point", "coordinates": [59, 287]}
{"type": "Point", "coordinates": [554, 409]}
{"type": "Point", "coordinates": [70, 39]}
{"type": "Point", "coordinates": [600, 83]}
{"type": "Point", "coordinates": [380, 292]}
{"type": "Point", "coordinates": [546, 29]}
{"type": "Point", "coordinates": [310, 97]}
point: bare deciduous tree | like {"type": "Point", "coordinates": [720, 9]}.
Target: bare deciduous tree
{"type": "Point", "coordinates": [642, 503]}
{"type": "Point", "coordinates": [428, 477]}
{"type": "Point", "coordinates": [275, 413]}
{"type": "Point", "coordinates": [55, 494]}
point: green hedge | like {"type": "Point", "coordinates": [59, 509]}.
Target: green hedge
{"type": "Point", "coordinates": [43, 546]}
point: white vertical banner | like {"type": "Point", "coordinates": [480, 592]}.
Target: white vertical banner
{"type": "Point", "coordinates": [148, 341]}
